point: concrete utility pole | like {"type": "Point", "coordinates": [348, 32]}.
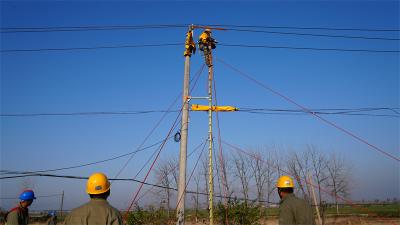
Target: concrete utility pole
{"type": "Point", "coordinates": [184, 130]}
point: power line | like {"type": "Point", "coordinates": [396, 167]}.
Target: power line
{"type": "Point", "coordinates": [90, 48]}
{"type": "Point", "coordinates": [271, 111]}
{"type": "Point", "coordinates": [267, 88]}
{"type": "Point", "coordinates": [116, 179]}
{"type": "Point", "coordinates": [103, 113]}
{"type": "Point", "coordinates": [181, 44]}
{"type": "Point", "coordinates": [307, 28]}
{"type": "Point", "coordinates": [302, 114]}
{"type": "Point", "coordinates": [88, 164]}
{"type": "Point", "coordinates": [211, 25]}
{"type": "Point", "coordinates": [85, 28]}
{"type": "Point", "coordinates": [142, 27]}
{"type": "Point", "coordinates": [316, 35]}
{"type": "Point", "coordinates": [309, 48]}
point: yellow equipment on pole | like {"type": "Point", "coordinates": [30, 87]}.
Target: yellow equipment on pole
{"type": "Point", "coordinates": [197, 107]}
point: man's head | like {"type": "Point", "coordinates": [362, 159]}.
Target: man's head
{"type": "Point", "coordinates": [98, 186]}
{"type": "Point", "coordinates": [285, 186]}
{"type": "Point", "coordinates": [207, 31]}
{"type": "Point", "coordinates": [26, 198]}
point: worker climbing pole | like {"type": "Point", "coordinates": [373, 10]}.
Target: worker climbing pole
{"type": "Point", "coordinates": [206, 44]}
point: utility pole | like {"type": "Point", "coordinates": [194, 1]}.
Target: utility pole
{"type": "Point", "coordinates": [207, 49]}
{"type": "Point", "coordinates": [62, 203]}
{"type": "Point", "coordinates": [210, 143]}
{"type": "Point", "coordinates": [190, 46]}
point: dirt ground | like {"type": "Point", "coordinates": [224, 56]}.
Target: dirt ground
{"type": "Point", "coordinates": [338, 221]}
{"type": "Point", "coordinates": [330, 221]}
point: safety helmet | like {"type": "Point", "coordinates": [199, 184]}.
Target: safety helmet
{"type": "Point", "coordinates": [97, 184]}
{"type": "Point", "coordinates": [27, 195]}
{"type": "Point", "coordinates": [207, 30]}
{"type": "Point", "coordinates": [284, 182]}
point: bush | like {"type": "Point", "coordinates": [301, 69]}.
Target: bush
{"type": "Point", "coordinates": [239, 213]}
{"type": "Point", "coordinates": [149, 217]}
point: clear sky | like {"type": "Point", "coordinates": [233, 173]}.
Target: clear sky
{"type": "Point", "coordinates": [136, 79]}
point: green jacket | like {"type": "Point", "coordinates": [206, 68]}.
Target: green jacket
{"type": "Point", "coordinates": [17, 216]}
{"type": "Point", "coordinates": [295, 211]}
{"type": "Point", "coordinates": [95, 212]}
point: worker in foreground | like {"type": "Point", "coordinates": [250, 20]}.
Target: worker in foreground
{"type": "Point", "coordinates": [292, 210]}
{"type": "Point", "coordinates": [20, 214]}
{"type": "Point", "coordinates": [97, 210]}
{"type": "Point", "coordinates": [206, 43]}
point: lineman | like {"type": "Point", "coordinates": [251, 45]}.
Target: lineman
{"type": "Point", "coordinates": [97, 210]}
{"type": "Point", "coordinates": [20, 215]}
{"type": "Point", "coordinates": [292, 210]}
{"type": "Point", "coordinates": [206, 43]}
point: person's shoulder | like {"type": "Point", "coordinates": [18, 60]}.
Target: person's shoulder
{"type": "Point", "coordinates": [114, 210]}
{"type": "Point", "coordinates": [300, 201]}
{"type": "Point", "coordinates": [80, 208]}
{"type": "Point", "coordinates": [14, 211]}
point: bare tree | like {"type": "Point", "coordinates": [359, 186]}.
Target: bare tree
{"type": "Point", "coordinates": [271, 175]}
{"type": "Point", "coordinates": [319, 173]}
{"type": "Point", "coordinates": [224, 172]}
{"type": "Point", "coordinates": [319, 168]}
{"type": "Point", "coordinates": [162, 173]}
{"type": "Point", "coordinates": [299, 166]}
{"type": "Point", "coordinates": [197, 179]}
{"type": "Point", "coordinates": [173, 165]}
{"type": "Point", "coordinates": [243, 172]}
{"type": "Point", "coordinates": [204, 172]}
{"type": "Point", "coordinates": [258, 168]}
{"type": "Point", "coordinates": [338, 176]}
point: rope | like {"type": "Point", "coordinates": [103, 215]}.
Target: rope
{"type": "Point", "coordinates": [247, 76]}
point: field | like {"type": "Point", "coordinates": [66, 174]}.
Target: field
{"type": "Point", "coordinates": [367, 214]}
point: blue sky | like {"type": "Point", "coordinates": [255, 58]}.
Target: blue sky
{"type": "Point", "coordinates": [150, 79]}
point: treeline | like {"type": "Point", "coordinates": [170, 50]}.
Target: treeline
{"type": "Point", "coordinates": [249, 176]}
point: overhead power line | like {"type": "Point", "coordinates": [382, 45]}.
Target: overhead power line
{"type": "Point", "coordinates": [143, 27]}
{"type": "Point", "coordinates": [86, 28]}
{"type": "Point", "coordinates": [272, 111]}
{"type": "Point", "coordinates": [334, 125]}
{"type": "Point", "coordinates": [310, 48]}
{"type": "Point", "coordinates": [91, 48]}
{"type": "Point", "coordinates": [90, 163]}
{"type": "Point", "coordinates": [316, 35]}
{"type": "Point", "coordinates": [149, 26]}
{"type": "Point", "coordinates": [104, 113]}
{"type": "Point", "coordinates": [307, 28]}
{"type": "Point", "coordinates": [181, 44]}
{"type": "Point", "coordinates": [118, 179]}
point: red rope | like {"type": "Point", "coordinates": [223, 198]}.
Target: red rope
{"type": "Point", "coordinates": [158, 154]}
{"type": "Point", "coordinates": [151, 167]}
{"type": "Point", "coordinates": [198, 73]}
{"type": "Point", "coordinates": [309, 111]}
{"type": "Point", "coordinates": [191, 174]}
{"type": "Point", "coordinates": [171, 169]}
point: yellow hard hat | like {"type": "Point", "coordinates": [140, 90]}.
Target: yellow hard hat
{"type": "Point", "coordinates": [284, 182]}
{"type": "Point", "coordinates": [97, 184]}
